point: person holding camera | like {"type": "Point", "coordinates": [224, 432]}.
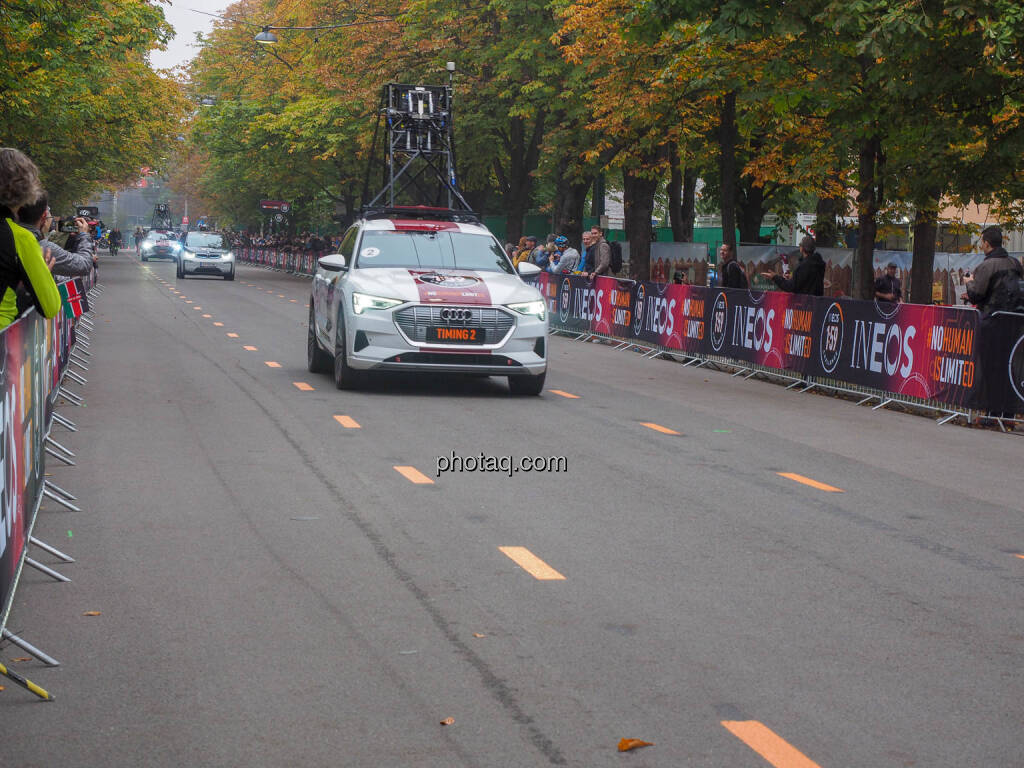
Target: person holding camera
{"type": "Point", "coordinates": [75, 262]}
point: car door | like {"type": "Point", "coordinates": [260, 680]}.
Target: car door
{"type": "Point", "coordinates": [326, 289]}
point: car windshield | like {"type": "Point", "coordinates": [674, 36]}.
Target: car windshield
{"type": "Point", "coordinates": [432, 250]}
{"type": "Point", "coordinates": [204, 240]}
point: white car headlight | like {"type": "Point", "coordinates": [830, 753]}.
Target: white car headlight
{"type": "Point", "coordinates": [363, 301]}
{"type": "Point", "coordinates": [188, 254]}
{"type": "Point", "coordinates": [535, 308]}
{"type": "Point", "coordinates": [175, 246]}
{"type": "Point", "coordinates": [228, 256]}
{"type": "Point", "coordinates": [147, 246]}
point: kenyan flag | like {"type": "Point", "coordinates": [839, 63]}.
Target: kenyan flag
{"type": "Point", "coordinates": [73, 298]}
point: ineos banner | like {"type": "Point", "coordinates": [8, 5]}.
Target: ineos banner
{"type": "Point", "coordinates": [913, 350]}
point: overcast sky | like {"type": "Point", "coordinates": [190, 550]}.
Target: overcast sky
{"type": "Point", "coordinates": [186, 23]}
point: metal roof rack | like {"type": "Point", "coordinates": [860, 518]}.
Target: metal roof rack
{"type": "Point", "coordinates": [424, 212]}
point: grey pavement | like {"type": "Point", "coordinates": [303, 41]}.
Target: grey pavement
{"type": "Point", "coordinates": [272, 592]}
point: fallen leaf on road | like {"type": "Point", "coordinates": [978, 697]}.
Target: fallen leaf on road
{"type": "Point", "coordinates": [627, 744]}
{"type": "Point", "coordinates": [92, 613]}
{"type": "Point", "coordinates": [448, 721]}
{"type": "Point", "coordinates": [479, 634]}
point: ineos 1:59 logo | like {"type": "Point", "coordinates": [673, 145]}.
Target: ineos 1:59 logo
{"type": "Point", "coordinates": [719, 321]}
{"type": "Point", "coordinates": [564, 300]}
{"type": "Point", "coordinates": [638, 309]}
{"type": "Point", "coordinates": [1016, 368]}
{"type": "Point", "coordinates": [832, 338]}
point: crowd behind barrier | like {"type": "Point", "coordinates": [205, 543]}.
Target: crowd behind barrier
{"type": "Point", "coordinates": [923, 352]}
{"type": "Point", "coordinates": [34, 354]}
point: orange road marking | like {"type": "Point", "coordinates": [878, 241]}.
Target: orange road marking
{"type": "Point", "coordinates": [207, 315]}
{"type": "Point", "coordinates": [413, 475]}
{"type": "Point", "coordinates": [347, 422]}
{"type": "Point", "coordinates": [219, 324]}
{"type": "Point", "coordinates": [768, 744]}
{"type": "Point", "coordinates": [532, 564]}
{"type": "Point", "coordinates": [294, 301]}
{"type": "Point", "coordinates": [659, 428]}
{"type": "Point", "coordinates": [812, 483]}
{"type": "Point", "coordinates": [280, 295]}
{"type": "Point", "coordinates": [232, 335]}
{"type": "Point", "coordinates": [272, 364]}
{"type": "Point", "coordinates": [251, 349]}
{"type": "Point", "coordinates": [198, 309]}
{"type": "Point", "coordinates": [303, 386]}
{"type": "Point", "coordinates": [564, 394]}
{"type": "Point", "coordinates": [1020, 556]}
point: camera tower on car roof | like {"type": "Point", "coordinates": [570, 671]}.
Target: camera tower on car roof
{"type": "Point", "coordinates": [418, 156]}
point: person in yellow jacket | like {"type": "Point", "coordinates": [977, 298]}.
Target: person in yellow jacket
{"type": "Point", "coordinates": [21, 259]}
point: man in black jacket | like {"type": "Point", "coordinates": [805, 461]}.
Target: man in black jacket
{"type": "Point", "coordinates": [985, 287]}
{"type": "Point", "coordinates": [731, 274]}
{"type": "Point", "coordinates": [808, 277]}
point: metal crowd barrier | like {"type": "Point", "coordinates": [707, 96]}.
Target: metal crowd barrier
{"type": "Point", "coordinates": [41, 361]}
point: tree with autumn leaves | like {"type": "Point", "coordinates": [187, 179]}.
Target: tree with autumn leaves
{"type": "Point", "coordinates": [878, 107]}
{"type": "Point", "coordinates": [77, 93]}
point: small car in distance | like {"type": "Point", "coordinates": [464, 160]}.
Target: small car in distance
{"type": "Point", "coordinates": [159, 244]}
{"type": "Point", "coordinates": [205, 253]}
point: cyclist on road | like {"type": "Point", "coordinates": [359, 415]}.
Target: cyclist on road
{"type": "Point", "coordinates": [115, 241]}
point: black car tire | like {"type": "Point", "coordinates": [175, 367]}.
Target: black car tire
{"type": "Point", "coordinates": [526, 385]}
{"type": "Point", "coordinates": [317, 361]}
{"type": "Point", "coordinates": [145, 257]}
{"type": "Point", "coordinates": [230, 276]}
{"type": "Point", "coordinates": [345, 377]}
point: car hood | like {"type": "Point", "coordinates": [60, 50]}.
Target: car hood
{"type": "Point", "coordinates": [443, 286]}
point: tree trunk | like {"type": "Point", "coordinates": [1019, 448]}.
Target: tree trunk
{"type": "Point", "coordinates": [868, 203]}
{"type": "Point", "coordinates": [689, 211]}
{"type": "Point", "coordinates": [638, 204]}
{"type": "Point", "coordinates": [751, 212]}
{"type": "Point", "coordinates": [926, 226]}
{"type": "Point", "coordinates": [825, 231]}
{"type": "Point", "coordinates": [727, 136]}
{"type": "Point", "coordinates": [597, 199]}
{"type": "Point", "coordinates": [516, 178]}
{"type": "Point", "coordinates": [570, 202]}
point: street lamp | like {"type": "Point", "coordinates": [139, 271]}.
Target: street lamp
{"type": "Point", "coordinates": [266, 37]}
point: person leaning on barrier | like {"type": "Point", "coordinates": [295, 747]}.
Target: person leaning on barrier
{"type": "Point", "coordinates": [808, 277]}
{"type": "Point", "coordinates": [569, 261]}
{"type": "Point", "coordinates": [990, 287]}
{"type": "Point", "coordinates": [732, 274]}
{"type": "Point", "coordinates": [21, 258]}
{"type": "Point", "coordinates": [887, 287]}
{"type": "Point", "coordinates": [76, 263]}
{"type": "Point", "coordinates": [602, 253]}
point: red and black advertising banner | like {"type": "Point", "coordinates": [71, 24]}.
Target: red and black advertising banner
{"type": "Point", "coordinates": [34, 352]}
{"type": "Point", "coordinates": [921, 351]}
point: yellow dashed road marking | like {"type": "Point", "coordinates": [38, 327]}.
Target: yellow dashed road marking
{"type": "Point", "coordinates": [812, 483]}
{"type": "Point", "coordinates": [768, 744]}
{"type": "Point", "coordinates": [232, 335]}
{"type": "Point", "coordinates": [532, 564]}
{"type": "Point", "coordinates": [659, 428]}
{"type": "Point", "coordinates": [251, 349]}
{"type": "Point", "coordinates": [272, 364]}
{"type": "Point", "coordinates": [413, 475]}
{"type": "Point", "coordinates": [347, 422]}
{"type": "Point", "coordinates": [303, 386]}
{"type": "Point", "coordinates": [564, 394]}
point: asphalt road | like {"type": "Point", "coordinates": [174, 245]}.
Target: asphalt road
{"type": "Point", "coordinates": [272, 591]}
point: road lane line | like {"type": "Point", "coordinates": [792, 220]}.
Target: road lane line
{"type": "Point", "coordinates": [198, 309]}
{"type": "Point", "coordinates": [413, 475]}
{"type": "Point", "coordinates": [812, 483]}
{"type": "Point", "coordinates": [659, 428]}
{"type": "Point", "coordinates": [272, 364]}
{"type": "Point", "coordinates": [1020, 556]}
{"type": "Point", "coordinates": [532, 564]}
{"type": "Point", "coordinates": [207, 316]}
{"type": "Point", "coordinates": [280, 295]}
{"type": "Point", "coordinates": [294, 301]}
{"type": "Point", "coordinates": [347, 421]}
{"type": "Point", "coordinates": [303, 386]}
{"type": "Point", "coordinates": [251, 349]}
{"type": "Point", "coordinates": [232, 335]}
{"type": "Point", "coordinates": [768, 744]}
{"type": "Point", "coordinates": [219, 324]}
{"type": "Point", "coordinates": [564, 394]}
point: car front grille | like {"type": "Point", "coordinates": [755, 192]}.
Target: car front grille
{"type": "Point", "coordinates": [414, 322]}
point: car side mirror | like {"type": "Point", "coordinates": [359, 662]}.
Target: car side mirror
{"type": "Point", "coordinates": [528, 269]}
{"type": "Point", "coordinates": [333, 262]}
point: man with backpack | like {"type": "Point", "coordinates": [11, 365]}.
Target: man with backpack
{"type": "Point", "coordinates": [996, 283]}
{"type": "Point", "coordinates": [603, 257]}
